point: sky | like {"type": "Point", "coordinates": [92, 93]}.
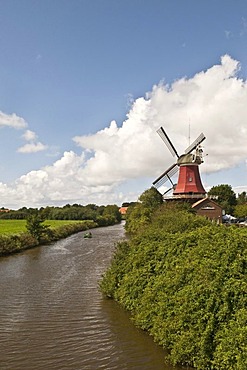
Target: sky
{"type": "Point", "coordinates": [85, 84]}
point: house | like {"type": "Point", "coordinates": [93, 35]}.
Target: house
{"type": "Point", "coordinates": [123, 210]}
{"type": "Point", "coordinates": [208, 208]}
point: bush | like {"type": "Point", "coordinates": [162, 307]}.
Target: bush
{"type": "Point", "coordinates": [184, 281]}
{"type": "Point", "coordinates": [16, 243]}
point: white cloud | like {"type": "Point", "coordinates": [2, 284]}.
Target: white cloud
{"type": "Point", "coordinates": [243, 27]}
{"type": "Point", "coordinates": [12, 120]}
{"type": "Point", "coordinates": [62, 182]}
{"type": "Point", "coordinates": [212, 101]}
{"type": "Point", "coordinates": [32, 148]}
{"type": "Point", "coordinates": [29, 135]}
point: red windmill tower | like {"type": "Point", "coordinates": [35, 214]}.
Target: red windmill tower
{"type": "Point", "coordinates": [189, 182]}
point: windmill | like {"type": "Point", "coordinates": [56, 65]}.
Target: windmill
{"type": "Point", "coordinates": [189, 181]}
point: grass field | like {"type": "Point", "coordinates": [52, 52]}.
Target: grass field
{"type": "Point", "coordinates": [19, 226]}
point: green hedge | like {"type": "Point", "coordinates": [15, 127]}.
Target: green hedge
{"type": "Point", "coordinates": [19, 242]}
{"type": "Point", "coordinates": [184, 281]}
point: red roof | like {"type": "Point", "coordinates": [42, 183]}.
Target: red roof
{"type": "Point", "coordinates": [123, 210]}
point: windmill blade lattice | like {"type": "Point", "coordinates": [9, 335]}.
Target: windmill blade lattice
{"type": "Point", "coordinates": [167, 175]}
{"type": "Point", "coordinates": [167, 191]}
{"type": "Point", "coordinates": [167, 141]}
{"type": "Point", "coordinates": [195, 143]}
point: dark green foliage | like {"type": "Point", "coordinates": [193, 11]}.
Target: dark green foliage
{"type": "Point", "coordinates": [112, 214]}
{"type": "Point", "coordinates": [16, 243]}
{"type": "Point", "coordinates": [107, 215]}
{"type": "Point", "coordinates": [184, 281]}
{"type": "Point", "coordinates": [128, 204]}
{"type": "Point", "coordinates": [35, 225]}
{"type": "Point", "coordinates": [151, 198]}
{"type": "Point", "coordinates": [226, 196]}
{"type": "Point", "coordinates": [242, 198]}
{"type": "Point", "coordinates": [139, 214]}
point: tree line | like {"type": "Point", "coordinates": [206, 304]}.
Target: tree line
{"type": "Point", "coordinates": [102, 215]}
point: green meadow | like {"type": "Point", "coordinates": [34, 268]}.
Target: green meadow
{"type": "Point", "coordinates": [19, 226]}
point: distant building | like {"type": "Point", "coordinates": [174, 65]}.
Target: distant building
{"type": "Point", "coordinates": [208, 208]}
{"type": "Point", "coordinates": [123, 210]}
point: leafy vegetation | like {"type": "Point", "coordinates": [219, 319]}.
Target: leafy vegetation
{"type": "Point", "coordinates": [242, 198]}
{"type": "Point", "coordinates": [184, 281]}
{"type": "Point", "coordinates": [226, 196]}
{"type": "Point", "coordinates": [103, 215]}
{"type": "Point", "coordinates": [139, 214]}
{"type": "Point", "coordinates": [240, 210]}
{"type": "Point", "coordinates": [35, 225]}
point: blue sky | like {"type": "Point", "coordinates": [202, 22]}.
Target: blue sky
{"type": "Point", "coordinates": [84, 85]}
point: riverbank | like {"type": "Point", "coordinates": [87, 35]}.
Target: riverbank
{"type": "Point", "coordinates": [184, 281]}
{"type": "Point", "coordinates": [18, 242]}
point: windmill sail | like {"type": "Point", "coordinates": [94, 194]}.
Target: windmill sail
{"type": "Point", "coordinates": [167, 175]}
{"type": "Point", "coordinates": [168, 190]}
{"type": "Point", "coordinates": [167, 141]}
{"type": "Point", "coordinates": [195, 143]}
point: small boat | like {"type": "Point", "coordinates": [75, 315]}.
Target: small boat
{"type": "Point", "coordinates": [88, 235]}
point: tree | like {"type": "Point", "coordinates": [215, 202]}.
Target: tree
{"type": "Point", "coordinates": [240, 210]}
{"type": "Point", "coordinates": [151, 198]}
{"type": "Point", "coordinates": [35, 225]}
{"type": "Point", "coordinates": [139, 214]}
{"type": "Point", "coordinates": [242, 198]}
{"type": "Point", "coordinates": [226, 196]}
{"type": "Point", "coordinates": [112, 213]}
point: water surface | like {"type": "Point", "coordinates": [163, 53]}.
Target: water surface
{"type": "Point", "coordinates": [53, 317]}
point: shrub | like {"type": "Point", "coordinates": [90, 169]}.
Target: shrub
{"type": "Point", "coordinates": [16, 243]}
{"type": "Point", "coordinates": [184, 281]}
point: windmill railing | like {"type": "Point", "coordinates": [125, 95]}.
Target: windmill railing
{"type": "Point", "coordinates": [185, 196]}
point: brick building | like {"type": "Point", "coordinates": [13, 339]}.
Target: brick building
{"type": "Point", "coordinates": [208, 208]}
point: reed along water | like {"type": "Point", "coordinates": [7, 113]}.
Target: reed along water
{"type": "Point", "coordinates": [53, 316]}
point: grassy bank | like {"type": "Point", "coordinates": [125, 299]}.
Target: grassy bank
{"type": "Point", "coordinates": [19, 226]}
{"type": "Point", "coordinates": [14, 237]}
{"type": "Point", "coordinates": [184, 281]}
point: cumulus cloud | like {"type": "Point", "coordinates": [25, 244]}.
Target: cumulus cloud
{"type": "Point", "coordinates": [62, 182]}
{"type": "Point", "coordinates": [12, 120]}
{"type": "Point", "coordinates": [29, 135]}
{"type": "Point", "coordinates": [33, 146]}
{"type": "Point", "coordinates": [212, 101]}
{"type": "Point", "coordinates": [16, 122]}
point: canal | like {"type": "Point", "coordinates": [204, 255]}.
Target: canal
{"type": "Point", "coordinates": [53, 317]}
